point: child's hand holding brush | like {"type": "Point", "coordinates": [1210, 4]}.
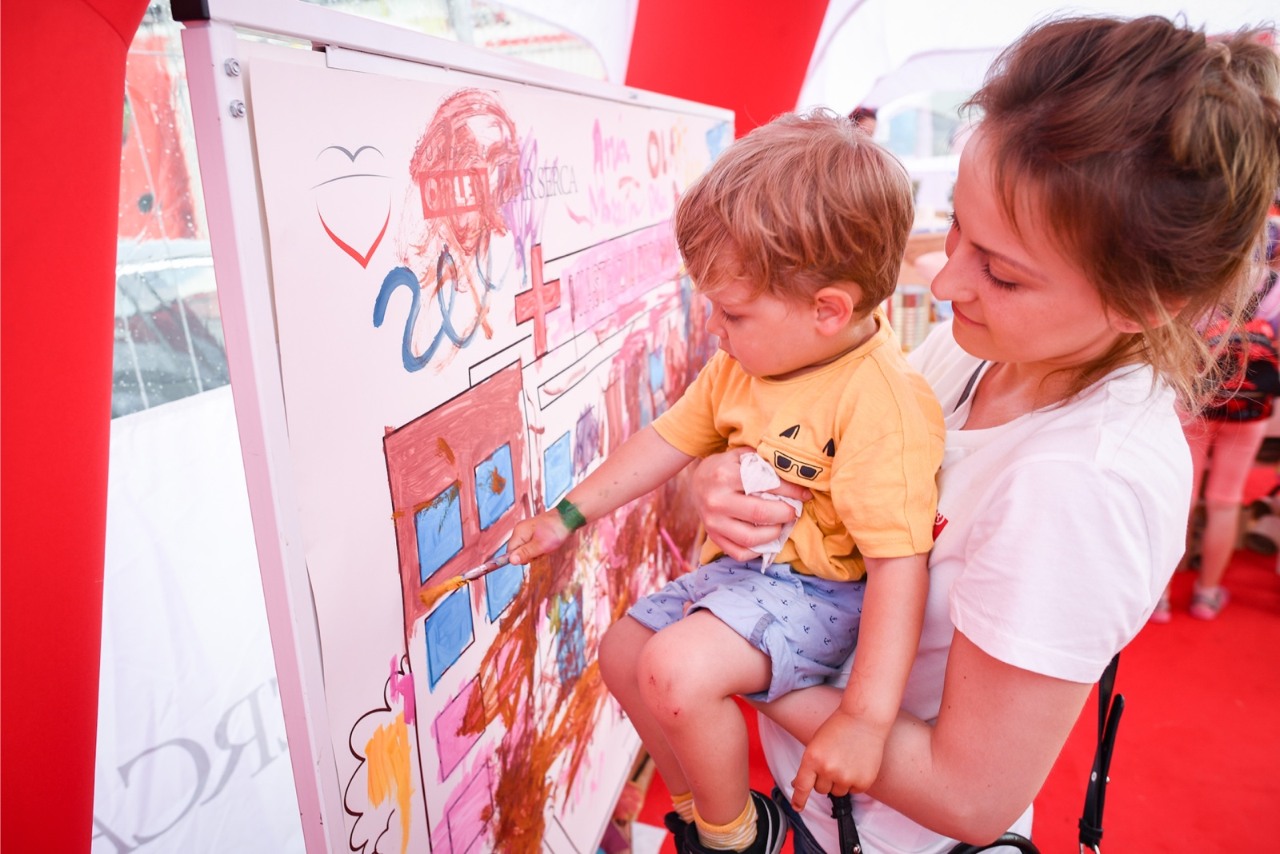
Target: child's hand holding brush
{"type": "Point", "coordinates": [544, 533]}
{"type": "Point", "coordinates": [531, 538]}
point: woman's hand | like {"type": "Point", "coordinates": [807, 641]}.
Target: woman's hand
{"type": "Point", "coordinates": [735, 521]}
{"type": "Point", "coordinates": [843, 756]}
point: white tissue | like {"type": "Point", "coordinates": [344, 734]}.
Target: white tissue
{"type": "Point", "coordinates": [757, 478]}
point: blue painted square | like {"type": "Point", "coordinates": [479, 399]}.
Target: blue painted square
{"type": "Point", "coordinates": [439, 530]}
{"type": "Point", "coordinates": [557, 469]}
{"type": "Point", "coordinates": [448, 632]}
{"type": "Point", "coordinates": [495, 487]}
{"type": "Point", "coordinates": [501, 587]}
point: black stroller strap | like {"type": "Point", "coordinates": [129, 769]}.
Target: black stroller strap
{"type": "Point", "coordinates": [1109, 712]}
{"type": "Point", "coordinates": [842, 811]}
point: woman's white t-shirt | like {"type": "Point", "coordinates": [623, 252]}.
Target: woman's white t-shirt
{"type": "Point", "coordinates": [1056, 534]}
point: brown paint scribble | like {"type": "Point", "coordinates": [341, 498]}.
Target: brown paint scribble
{"type": "Point", "coordinates": [546, 722]}
{"type": "Point", "coordinates": [449, 495]}
{"type": "Point", "coordinates": [497, 482]}
{"type": "Point", "coordinates": [445, 451]}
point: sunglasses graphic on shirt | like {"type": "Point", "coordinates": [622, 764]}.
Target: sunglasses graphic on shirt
{"type": "Point", "coordinates": [785, 463]}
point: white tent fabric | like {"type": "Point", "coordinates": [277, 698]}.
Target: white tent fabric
{"type": "Point", "coordinates": [607, 27]}
{"type": "Point", "coordinates": [191, 752]}
{"type": "Point", "coordinates": [875, 51]}
{"type": "Point", "coordinates": [872, 51]}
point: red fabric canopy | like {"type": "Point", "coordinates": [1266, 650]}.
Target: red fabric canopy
{"type": "Point", "coordinates": [63, 97]}
{"type": "Point", "coordinates": [749, 57]}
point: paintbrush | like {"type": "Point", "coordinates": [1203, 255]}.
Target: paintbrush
{"type": "Point", "coordinates": [434, 594]}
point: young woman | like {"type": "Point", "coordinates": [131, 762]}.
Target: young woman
{"type": "Point", "coordinates": [1115, 191]}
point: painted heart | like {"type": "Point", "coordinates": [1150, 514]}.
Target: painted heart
{"type": "Point", "coordinates": [353, 199]}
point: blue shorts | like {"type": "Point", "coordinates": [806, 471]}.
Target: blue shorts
{"type": "Point", "coordinates": [807, 626]}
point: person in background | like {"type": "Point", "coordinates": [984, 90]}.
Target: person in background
{"type": "Point", "coordinates": [1225, 437]}
{"type": "Point", "coordinates": [865, 118]}
{"type": "Point", "coordinates": [795, 235]}
{"type": "Point", "coordinates": [1098, 220]}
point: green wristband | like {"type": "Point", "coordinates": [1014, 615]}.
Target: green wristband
{"type": "Point", "coordinates": [570, 515]}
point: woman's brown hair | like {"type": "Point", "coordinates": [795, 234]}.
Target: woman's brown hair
{"type": "Point", "coordinates": [1155, 152]}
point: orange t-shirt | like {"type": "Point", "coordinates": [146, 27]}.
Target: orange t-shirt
{"type": "Point", "coordinates": [864, 434]}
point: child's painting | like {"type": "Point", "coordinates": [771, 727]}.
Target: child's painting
{"type": "Point", "coordinates": [478, 295]}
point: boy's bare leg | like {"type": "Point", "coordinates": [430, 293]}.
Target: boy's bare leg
{"type": "Point", "coordinates": [688, 675]}
{"type": "Point", "coordinates": [801, 712]}
{"type": "Point", "coordinates": [620, 650]}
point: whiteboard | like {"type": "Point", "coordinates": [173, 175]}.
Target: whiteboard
{"type": "Point", "coordinates": [449, 288]}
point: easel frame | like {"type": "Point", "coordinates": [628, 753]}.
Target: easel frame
{"type": "Point", "coordinates": [214, 48]}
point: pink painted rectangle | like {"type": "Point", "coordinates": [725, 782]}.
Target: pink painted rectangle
{"type": "Point", "coordinates": [451, 744]}
{"type": "Point", "coordinates": [604, 278]}
{"type": "Point", "coordinates": [466, 815]}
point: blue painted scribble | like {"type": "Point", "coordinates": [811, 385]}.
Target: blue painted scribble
{"type": "Point", "coordinates": [446, 292]}
{"type": "Point", "coordinates": [571, 647]}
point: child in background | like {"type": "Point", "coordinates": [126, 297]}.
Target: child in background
{"type": "Point", "coordinates": [865, 118]}
{"type": "Point", "coordinates": [795, 235]}
{"type": "Point", "coordinates": [1225, 438]}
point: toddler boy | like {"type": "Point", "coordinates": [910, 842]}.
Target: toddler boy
{"type": "Point", "coordinates": [795, 235]}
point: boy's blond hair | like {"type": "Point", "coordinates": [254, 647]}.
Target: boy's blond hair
{"type": "Point", "coordinates": [801, 203]}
